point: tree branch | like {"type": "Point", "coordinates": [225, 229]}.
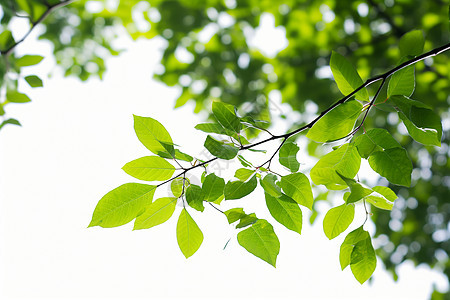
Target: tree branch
{"type": "Point", "coordinates": [50, 9]}
{"type": "Point", "coordinates": [368, 82]}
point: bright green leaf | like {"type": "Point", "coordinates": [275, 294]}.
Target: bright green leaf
{"type": "Point", "coordinates": [348, 245]}
{"type": "Point", "coordinates": [373, 140]}
{"type": "Point", "coordinates": [344, 160]}
{"type": "Point", "coordinates": [243, 174]}
{"type": "Point", "coordinates": [337, 123]}
{"type": "Point", "coordinates": [338, 219]}
{"type": "Point", "coordinates": [195, 197]}
{"type": "Point", "coordinates": [261, 241]}
{"type": "Point", "coordinates": [288, 156]}
{"type": "Point", "coordinates": [149, 168]}
{"type": "Point", "coordinates": [176, 187]}
{"type": "Point", "coordinates": [34, 81]}
{"type": "Point", "coordinates": [156, 213]}
{"type": "Point", "coordinates": [393, 164]}
{"type": "Point", "coordinates": [239, 189]}
{"type": "Point", "coordinates": [346, 76]}
{"type": "Point", "coordinates": [363, 260]}
{"type": "Point", "coordinates": [189, 236]}
{"type": "Point", "coordinates": [226, 116]}
{"type": "Point", "coordinates": [412, 43]}
{"type": "Point", "coordinates": [285, 211]}
{"type": "Point", "coordinates": [6, 40]}
{"type": "Point", "coordinates": [153, 135]}
{"type": "Point", "coordinates": [123, 204]}
{"type": "Point", "coordinates": [211, 128]}
{"type": "Point", "coordinates": [423, 124]}
{"type": "Point", "coordinates": [213, 187]}
{"type": "Point", "coordinates": [28, 60]}
{"type": "Point", "coordinates": [402, 82]}
{"type": "Point", "coordinates": [383, 197]}
{"type": "Point", "coordinates": [297, 187]}
{"type": "Point", "coordinates": [269, 185]}
{"type": "Point", "coordinates": [234, 214]}
{"type": "Point", "coordinates": [220, 149]}
{"type": "Point", "coordinates": [16, 97]}
{"type": "Point", "coordinates": [247, 220]}
{"type": "Point", "coordinates": [357, 190]}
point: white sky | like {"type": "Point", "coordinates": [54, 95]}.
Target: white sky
{"type": "Point", "coordinates": [74, 140]}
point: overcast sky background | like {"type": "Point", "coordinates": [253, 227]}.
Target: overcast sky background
{"type": "Point", "coordinates": [69, 152]}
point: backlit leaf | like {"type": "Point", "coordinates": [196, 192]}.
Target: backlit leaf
{"type": "Point", "coordinates": [239, 189]}
{"type": "Point", "coordinates": [345, 160]}
{"type": "Point", "coordinates": [288, 156]}
{"type": "Point", "coordinates": [393, 164]}
{"type": "Point", "coordinates": [375, 139]}
{"type": "Point", "coordinates": [337, 123]}
{"type": "Point", "coordinates": [28, 60]}
{"type": "Point", "coordinates": [213, 187]}
{"type": "Point", "coordinates": [226, 116]}
{"type": "Point", "coordinates": [338, 219]}
{"type": "Point", "coordinates": [411, 43]}
{"type": "Point", "coordinates": [195, 197]}
{"type": "Point", "coordinates": [402, 82]}
{"type": "Point", "coordinates": [363, 260]}
{"type": "Point", "coordinates": [348, 245]}
{"type": "Point", "coordinates": [156, 213]}
{"type": "Point", "coordinates": [153, 135]}
{"type": "Point", "coordinates": [34, 81]}
{"type": "Point", "coordinates": [189, 236]}
{"type": "Point", "coordinates": [297, 187]}
{"type": "Point", "coordinates": [123, 204]}
{"type": "Point", "coordinates": [149, 168]}
{"type": "Point", "coordinates": [261, 241]}
{"type": "Point", "coordinates": [346, 76]}
{"type": "Point", "coordinates": [16, 97]}
{"type": "Point", "coordinates": [269, 185]}
{"type": "Point", "coordinates": [220, 149]}
{"type": "Point", "coordinates": [285, 211]}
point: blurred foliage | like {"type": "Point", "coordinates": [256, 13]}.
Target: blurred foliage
{"type": "Point", "coordinates": [209, 55]}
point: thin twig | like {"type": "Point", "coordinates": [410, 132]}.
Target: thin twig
{"type": "Point", "coordinates": [368, 82]}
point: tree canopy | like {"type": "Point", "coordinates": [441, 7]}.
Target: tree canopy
{"type": "Point", "coordinates": [392, 121]}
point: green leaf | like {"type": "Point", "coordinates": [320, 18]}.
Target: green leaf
{"type": "Point", "coordinates": [213, 187]}
{"type": "Point", "coordinates": [412, 43]}
{"type": "Point", "coordinates": [176, 187]}
{"type": "Point", "coordinates": [346, 76]}
{"type": "Point", "coordinates": [220, 149]}
{"type": "Point", "coordinates": [234, 214]}
{"type": "Point", "coordinates": [337, 123]}
{"type": "Point", "coordinates": [10, 121]}
{"type": "Point", "coordinates": [393, 164]}
{"type": "Point", "coordinates": [363, 260]}
{"type": "Point", "coordinates": [402, 82]}
{"type": "Point", "coordinates": [244, 162]}
{"type": "Point", "coordinates": [195, 197]}
{"type": "Point", "coordinates": [189, 236]}
{"type": "Point", "coordinates": [153, 135]}
{"type": "Point", "coordinates": [285, 211]}
{"type": "Point", "coordinates": [423, 124]}
{"type": "Point", "coordinates": [239, 189]}
{"type": "Point", "coordinates": [149, 168]}
{"type": "Point", "coordinates": [374, 140]}
{"type": "Point", "coordinates": [247, 220]}
{"type": "Point", "coordinates": [6, 40]}
{"type": "Point", "coordinates": [16, 97]}
{"type": "Point", "coordinates": [269, 185]}
{"type": "Point", "coordinates": [226, 116]}
{"type": "Point", "coordinates": [349, 244]}
{"type": "Point", "coordinates": [344, 160]}
{"type": "Point", "coordinates": [243, 174]}
{"type": "Point", "coordinates": [123, 204]}
{"type": "Point", "coordinates": [211, 128]}
{"type": "Point", "coordinates": [156, 213]}
{"type": "Point", "coordinates": [28, 60]}
{"type": "Point", "coordinates": [383, 198]}
{"type": "Point", "coordinates": [298, 187]}
{"type": "Point", "coordinates": [357, 190]}
{"type": "Point", "coordinates": [34, 81]}
{"type": "Point", "coordinates": [175, 155]}
{"type": "Point", "coordinates": [288, 156]}
{"type": "Point", "coordinates": [338, 219]}
{"type": "Point", "coordinates": [261, 241]}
